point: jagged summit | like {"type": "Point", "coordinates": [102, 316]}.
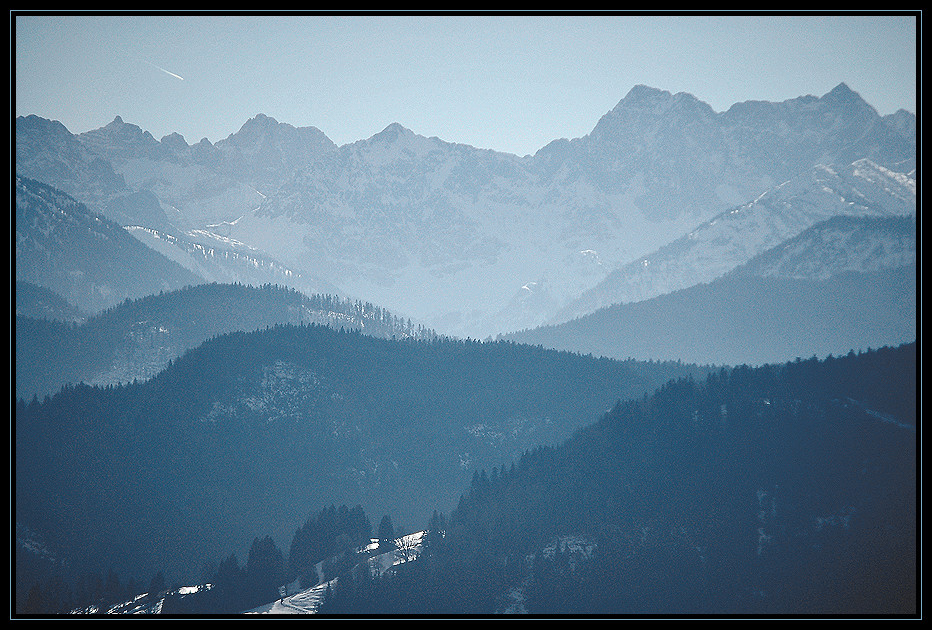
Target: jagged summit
{"type": "Point", "coordinates": [122, 130]}
{"type": "Point", "coordinates": [449, 233]}
{"type": "Point", "coordinates": [38, 124]}
{"type": "Point", "coordinates": [645, 96]}
{"type": "Point", "coordinates": [258, 126]}
{"type": "Point", "coordinates": [120, 140]}
{"type": "Point", "coordinates": [265, 150]}
{"type": "Point", "coordinates": [258, 122]}
{"type": "Point", "coordinates": [641, 92]}
{"type": "Point", "coordinates": [264, 123]}
{"type": "Point", "coordinates": [843, 92]}
{"type": "Point", "coordinates": [118, 125]}
{"type": "Point", "coordinates": [842, 96]}
{"type": "Point", "coordinates": [278, 140]}
{"type": "Point", "coordinates": [392, 133]}
{"type": "Point", "coordinates": [174, 141]}
{"type": "Point", "coordinates": [645, 105]}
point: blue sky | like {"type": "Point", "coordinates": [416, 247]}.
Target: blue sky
{"type": "Point", "coordinates": [509, 83]}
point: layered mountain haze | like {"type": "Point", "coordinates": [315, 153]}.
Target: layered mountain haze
{"type": "Point", "coordinates": [846, 283]}
{"type": "Point", "coordinates": [206, 182]}
{"type": "Point", "coordinates": [41, 303]}
{"type": "Point", "coordinates": [862, 244]}
{"type": "Point", "coordinates": [474, 242]}
{"type": "Point", "coordinates": [85, 258]}
{"type": "Point", "coordinates": [215, 340]}
{"type": "Point", "coordinates": [137, 339]}
{"type": "Point", "coordinates": [735, 236]}
{"type": "Point", "coordinates": [216, 258]}
{"type": "Point", "coordinates": [47, 152]}
{"type": "Point", "coordinates": [66, 247]}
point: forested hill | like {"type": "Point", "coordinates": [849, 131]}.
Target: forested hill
{"type": "Point", "coordinates": [137, 338]}
{"type": "Point", "coordinates": [775, 490]}
{"type": "Point", "coordinates": [82, 256]}
{"type": "Point", "coordinates": [743, 318]}
{"type": "Point", "coordinates": [31, 300]}
{"type": "Point", "coordinates": [248, 433]}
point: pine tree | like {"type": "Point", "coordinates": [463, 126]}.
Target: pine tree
{"type": "Point", "coordinates": [386, 531]}
{"type": "Point", "coordinates": [265, 570]}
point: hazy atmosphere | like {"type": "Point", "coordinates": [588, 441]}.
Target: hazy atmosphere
{"type": "Point", "coordinates": [436, 315]}
{"type": "Point", "coordinates": [508, 83]}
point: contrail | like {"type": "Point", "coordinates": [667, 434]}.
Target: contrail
{"type": "Point", "coordinates": [164, 70]}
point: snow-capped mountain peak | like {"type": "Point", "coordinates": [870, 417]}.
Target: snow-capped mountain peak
{"type": "Point", "coordinates": [448, 233]}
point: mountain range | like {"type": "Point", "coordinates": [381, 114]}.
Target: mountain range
{"type": "Point", "coordinates": [213, 340]}
{"type": "Point", "coordinates": [88, 260]}
{"type": "Point", "coordinates": [846, 283]}
{"type": "Point", "coordinates": [475, 242]}
{"type": "Point", "coordinates": [733, 237]}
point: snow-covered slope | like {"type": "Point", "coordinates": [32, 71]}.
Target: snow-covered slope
{"type": "Point", "coordinates": [64, 246]}
{"type": "Point", "coordinates": [861, 244]}
{"type": "Point", "coordinates": [848, 282]}
{"type": "Point", "coordinates": [216, 258]}
{"type": "Point", "coordinates": [469, 241]}
{"type": "Point", "coordinates": [294, 600]}
{"type": "Point", "coordinates": [307, 601]}
{"type": "Point", "coordinates": [737, 235]}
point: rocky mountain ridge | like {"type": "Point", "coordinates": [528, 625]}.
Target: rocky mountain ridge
{"type": "Point", "coordinates": [733, 237]}
{"type": "Point", "coordinates": [452, 235]}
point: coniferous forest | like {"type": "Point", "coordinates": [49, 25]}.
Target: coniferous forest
{"type": "Point", "coordinates": [138, 338]}
{"type": "Point", "coordinates": [781, 489]}
{"type": "Point", "coordinates": [548, 482]}
{"type": "Point", "coordinates": [251, 432]}
{"type": "Point", "coordinates": [776, 490]}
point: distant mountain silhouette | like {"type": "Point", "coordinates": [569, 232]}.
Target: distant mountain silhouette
{"type": "Point", "coordinates": [449, 234]}
{"type": "Point", "coordinates": [139, 338]}
{"type": "Point", "coordinates": [748, 319]}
